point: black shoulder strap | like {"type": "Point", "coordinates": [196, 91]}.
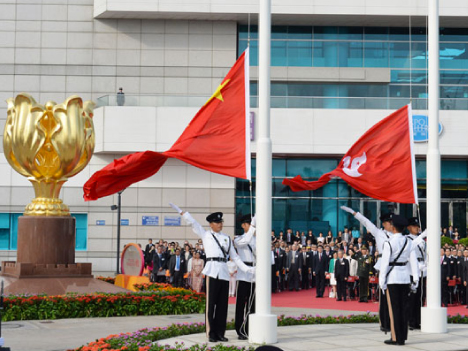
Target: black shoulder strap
{"type": "Point", "coordinates": [396, 259]}
{"type": "Point", "coordinates": [225, 254]}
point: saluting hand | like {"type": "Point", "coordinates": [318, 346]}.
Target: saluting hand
{"type": "Point", "coordinates": [349, 210]}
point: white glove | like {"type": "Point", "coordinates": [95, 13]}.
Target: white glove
{"type": "Point", "coordinates": [424, 234]}
{"type": "Point", "coordinates": [253, 223]}
{"type": "Point", "coordinates": [175, 207]}
{"type": "Point", "coordinates": [252, 271]}
{"type": "Point", "coordinates": [383, 287]}
{"type": "Point", "coordinates": [414, 286]}
{"type": "Point", "coordinates": [347, 209]}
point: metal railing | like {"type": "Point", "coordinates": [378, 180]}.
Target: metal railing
{"type": "Point", "coordinates": [378, 103]}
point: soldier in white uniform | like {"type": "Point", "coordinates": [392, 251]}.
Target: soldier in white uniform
{"type": "Point", "coordinates": [218, 248]}
{"type": "Point", "coordinates": [245, 295]}
{"type": "Point", "coordinates": [398, 260]}
{"type": "Point", "coordinates": [417, 299]}
{"type": "Point", "coordinates": [381, 236]}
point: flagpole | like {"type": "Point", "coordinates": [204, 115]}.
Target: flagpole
{"type": "Point", "coordinates": [262, 324]}
{"type": "Point", "coordinates": [433, 317]}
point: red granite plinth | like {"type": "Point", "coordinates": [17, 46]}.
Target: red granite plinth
{"type": "Point", "coordinates": [57, 286]}
{"type": "Point", "coordinates": [46, 240]}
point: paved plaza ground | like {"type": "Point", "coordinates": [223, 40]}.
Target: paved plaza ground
{"type": "Point", "coordinates": [60, 335]}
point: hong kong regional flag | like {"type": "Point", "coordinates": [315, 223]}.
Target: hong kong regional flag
{"type": "Point", "coordinates": [217, 139]}
{"type": "Point", "coordinates": [380, 164]}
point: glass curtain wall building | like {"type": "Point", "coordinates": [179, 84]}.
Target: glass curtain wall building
{"type": "Point", "coordinates": [402, 51]}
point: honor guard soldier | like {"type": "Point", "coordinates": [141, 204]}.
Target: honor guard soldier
{"type": "Point", "coordinates": [218, 248]}
{"type": "Point", "coordinates": [416, 300]}
{"type": "Point", "coordinates": [245, 296]}
{"type": "Point", "coordinates": [398, 260]}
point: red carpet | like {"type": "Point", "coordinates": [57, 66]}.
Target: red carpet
{"type": "Point", "coordinates": [307, 299]}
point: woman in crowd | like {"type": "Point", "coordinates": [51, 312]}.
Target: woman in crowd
{"type": "Point", "coordinates": [320, 239]}
{"type": "Point", "coordinates": [331, 271]}
{"type": "Point", "coordinates": [329, 238]}
{"type": "Point", "coordinates": [339, 237]}
{"type": "Point", "coordinates": [196, 272]}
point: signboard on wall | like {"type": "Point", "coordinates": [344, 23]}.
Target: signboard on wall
{"type": "Point", "coordinates": [100, 222]}
{"type": "Point", "coordinates": [124, 222]}
{"type": "Point", "coordinates": [172, 221]}
{"type": "Point", "coordinates": [420, 128]}
{"type": "Point", "coordinates": [150, 220]}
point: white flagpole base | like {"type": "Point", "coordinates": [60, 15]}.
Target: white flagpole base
{"type": "Point", "coordinates": [434, 320]}
{"type": "Point", "coordinates": [262, 328]}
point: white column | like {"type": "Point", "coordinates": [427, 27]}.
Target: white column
{"type": "Point", "coordinates": [433, 317]}
{"type": "Point", "coordinates": [262, 324]}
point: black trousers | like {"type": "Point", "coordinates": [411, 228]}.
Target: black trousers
{"type": "Point", "coordinates": [445, 292]}
{"type": "Point", "coordinates": [320, 283]}
{"type": "Point", "coordinates": [341, 289]}
{"type": "Point", "coordinates": [178, 279]}
{"type": "Point", "coordinates": [244, 306]}
{"type": "Point", "coordinates": [293, 277]}
{"type": "Point", "coordinates": [217, 296]}
{"type": "Point", "coordinates": [384, 317]}
{"type": "Point", "coordinates": [363, 288]}
{"type": "Point", "coordinates": [397, 299]}
{"type": "Point", "coordinates": [415, 302]}
{"type": "Point", "coordinates": [305, 277]}
{"type": "Point", "coordinates": [274, 279]}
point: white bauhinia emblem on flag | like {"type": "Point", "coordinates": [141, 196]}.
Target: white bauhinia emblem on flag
{"type": "Point", "coordinates": [353, 169]}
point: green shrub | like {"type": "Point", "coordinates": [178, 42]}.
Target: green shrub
{"type": "Point", "coordinates": [463, 242]}
{"type": "Point", "coordinates": [445, 240]}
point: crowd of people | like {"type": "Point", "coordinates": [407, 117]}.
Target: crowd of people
{"type": "Point", "coordinates": [305, 261]}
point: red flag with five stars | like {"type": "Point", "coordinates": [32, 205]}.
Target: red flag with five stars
{"type": "Point", "coordinates": [217, 139]}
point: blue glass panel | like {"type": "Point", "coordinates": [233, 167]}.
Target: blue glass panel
{"type": "Point", "coordinates": [399, 54]}
{"type": "Point", "coordinates": [305, 89]}
{"type": "Point", "coordinates": [300, 32]}
{"type": "Point", "coordinates": [453, 77]}
{"type": "Point", "coordinates": [454, 169]}
{"type": "Point", "coordinates": [350, 33]}
{"type": "Point", "coordinates": [309, 168]}
{"type": "Point", "coordinates": [278, 189]}
{"type": "Point", "coordinates": [244, 32]}
{"type": "Point", "coordinates": [279, 215]}
{"type": "Point", "coordinates": [279, 89]}
{"type": "Point", "coordinates": [14, 230]}
{"type": "Point", "coordinates": [376, 33]}
{"type": "Point", "coordinates": [415, 76]}
{"type": "Point", "coordinates": [350, 54]}
{"type": "Point", "coordinates": [253, 53]}
{"type": "Point", "coordinates": [420, 169]}
{"type": "Point", "coordinates": [418, 34]}
{"type": "Point", "coordinates": [454, 55]}
{"type": "Point", "coordinates": [325, 54]}
{"type": "Point", "coordinates": [5, 239]}
{"type": "Point", "coordinates": [454, 34]}
{"type": "Point", "coordinates": [81, 238]}
{"type": "Point", "coordinates": [399, 34]}
{"type": "Point", "coordinates": [375, 54]}
{"type": "Point", "coordinates": [454, 91]}
{"type": "Point", "coordinates": [242, 47]}
{"type": "Point", "coordinates": [399, 91]}
{"type": "Point", "coordinates": [253, 88]}
{"type": "Point", "coordinates": [325, 32]}
{"type": "Point", "coordinates": [300, 53]}
{"type": "Point", "coordinates": [279, 55]}
{"type": "Point", "coordinates": [4, 221]}
{"type": "Point", "coordinates": [279, 167]}
{"type": "Point", "coordinates": [419, 55]}
{"type": "Point", "coordinates": [279, 32]}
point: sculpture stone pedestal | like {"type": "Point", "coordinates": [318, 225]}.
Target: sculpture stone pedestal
{"type": "Point", "coordinates": [46, 260]}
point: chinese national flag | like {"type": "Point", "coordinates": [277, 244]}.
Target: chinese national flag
{"type": "Point", "coordinates": [217, 139]}
{"type": "Point", "coordinates": [380, 164]}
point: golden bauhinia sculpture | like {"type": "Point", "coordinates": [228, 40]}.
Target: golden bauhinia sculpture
{"type": "Point", "coordinates": [48, 144]}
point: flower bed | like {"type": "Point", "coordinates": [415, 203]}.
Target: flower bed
{"type": "Point", "coordinates": [110, 280]}
{"type": "Point", "coordinates": [143, 339]}
{"type": "Point", "coordinates": [162, 302]}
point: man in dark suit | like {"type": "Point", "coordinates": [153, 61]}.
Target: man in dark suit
{"type": "Point", "coordinates": [274, 270]}
{"type": "Point", "coordinates": [294, 264]}
{"type": "Point", "coordinates": [341, 276]}
{"type": "Point", "coordinates": [280, 263]}
{"type": "Point", "coordinates": [159, 265]}
{"type": "Point", "coordinates": [305, 268]}
{"type": "Point", "coordinates": [320, 270]}
{"type": "Point", "coordinates": [289, 238]}
{"type": "Point", "coordinates": [177, 268]}
{"type": "Point", "coordinates": [445, 274]}
{"type": "Point", "coordinates": [464, 275]}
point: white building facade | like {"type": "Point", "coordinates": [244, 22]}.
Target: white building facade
{"type": "Point", "coordinates": [339, 66]}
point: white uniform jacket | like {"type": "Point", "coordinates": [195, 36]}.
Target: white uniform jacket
{"type": "Point", "coordinates": [399, 274]}
{"type": "Point", "coordinates": [216, 269]}
{"type": "Point", "coordinates": [421, 255]}
{"type": "Point", "coordinates": [242, 243]}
